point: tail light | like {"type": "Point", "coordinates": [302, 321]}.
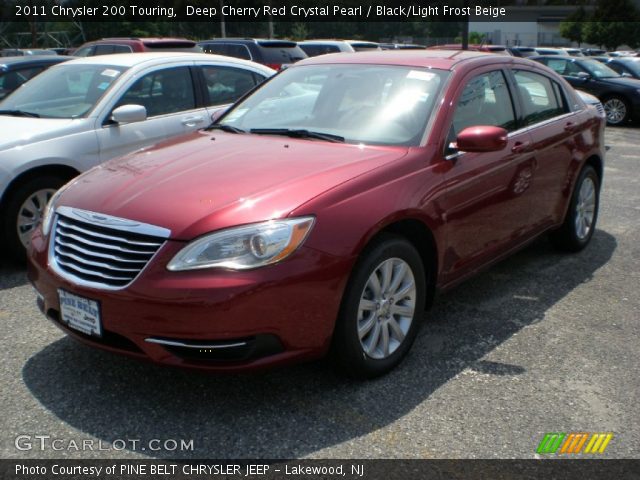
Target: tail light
{"type": "Point", "coordinates": [275, 66]}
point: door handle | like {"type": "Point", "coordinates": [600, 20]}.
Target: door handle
{"type": "Point", "coordinates": [190, 121]}
{"type": "Point", "coordinates": [520, 147]}
{"type": "Point", "coordinates": [570, 127]}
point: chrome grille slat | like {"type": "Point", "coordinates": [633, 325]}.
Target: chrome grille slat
{"type": "Point", "coordinates": [65, 224]}
{"type": "Point", "coordinates": [116, 258]}
{"type": "Point", "coordinates": [98, 250]}
{"type": "Point", "coordinates": [93, 273]}
{"type": "Point", "coordinates": [72, 256]}
{"type": "Point", "coordinates": [102, 245]}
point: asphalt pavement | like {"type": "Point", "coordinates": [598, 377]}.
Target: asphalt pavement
{"type": "Point", "coordinates": [543, 342]}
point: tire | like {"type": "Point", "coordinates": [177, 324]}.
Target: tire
{"type": "Point", "coordinates": [40, 190]}
{"type": "Point", "coordinates": [396, 259]}
{"type": "Point", "coordinates": [617, 110]}
{"type": "Point", "coordinates": [582, 215]}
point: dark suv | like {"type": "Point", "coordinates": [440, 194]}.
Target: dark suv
{"type": "Point", "coordinates": [107, 46]}
{"type": "Point", "coordinates": [272, 53]}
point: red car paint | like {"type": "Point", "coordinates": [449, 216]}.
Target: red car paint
{"type": "Point", "coordinates": [471, 211]}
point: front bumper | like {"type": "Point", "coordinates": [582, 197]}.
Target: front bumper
{"type": "Point", "coordinates": [209, 319]}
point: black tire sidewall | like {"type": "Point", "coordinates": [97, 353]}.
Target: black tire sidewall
{"type": "Point", "coordinates": [346, 346]}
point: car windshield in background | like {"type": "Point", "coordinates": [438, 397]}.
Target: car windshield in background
{"type": "Point", "coordinates": [599, 70]}
{"type": "Point", "coordinates": [632, 64]}
{"type": "Point", "coordinates": [68, 91]}
{"type": "Point", "coordinates": [371, 104]}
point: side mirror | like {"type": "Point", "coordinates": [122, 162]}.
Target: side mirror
{"type": "Point", "coordinates": [583, 75]}
{"type": "Point", "coordinates": [627, 75]}
{"type": "Point", "coordinates": [129, 114]}
{"type": "Point", "coordinates": [483, 138]}
{"type": "Point", "coordinates": [215, 116]}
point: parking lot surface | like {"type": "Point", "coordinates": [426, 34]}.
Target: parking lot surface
{"type": "Point", "coordinates": [542, 342]}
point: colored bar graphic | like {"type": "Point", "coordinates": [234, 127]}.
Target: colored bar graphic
{"type": "Point", "coordinates": [598, 443]}
{"type": "Point", "coordinates": [573, 443]}
{"type": "Point", "coordinates": [550, 442]}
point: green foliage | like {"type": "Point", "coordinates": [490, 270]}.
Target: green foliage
{"type": "Point", "coordinates": [573, 27]}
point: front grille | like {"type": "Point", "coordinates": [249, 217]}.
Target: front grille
{"type": "Point", "coordinates": [102, 251]}
{"type": "Point", "coordinates": [600, 109]}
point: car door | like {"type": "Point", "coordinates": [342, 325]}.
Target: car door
{"type": "Point", "coordinates": [168, 95]}
{"type": "Point", "coordinates": [485, 212]}
{"type": "Point", "coordinates": [224, 84]}
{"type": "Point", "coordinates": [555, 128]}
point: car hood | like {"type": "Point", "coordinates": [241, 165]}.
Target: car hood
{"type": "Point", "coordinates": [622, 81]}
{"type": "Point", "coordinates": [204, 182]}
{"type": "Point", "coordinates": [21, 131]}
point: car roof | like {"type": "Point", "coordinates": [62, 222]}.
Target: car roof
{"type": "Point", "coordinates": [7, 61]}
{"type": "Point", "coordinates": [134, 59]}
{"type": "Point", "coordinates": [324, 42]}
{"type": "Point", "coordinates": [441, 59]}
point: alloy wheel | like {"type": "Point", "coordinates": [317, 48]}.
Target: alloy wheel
{"type": "Point", "coordinates": [585, 208]}
{"type": "Point", "coordinates": [386, 309]}
{"type": "Point", "coordinates": [31, 212]}
{"type": "Point", "coordinates": [616, 110]}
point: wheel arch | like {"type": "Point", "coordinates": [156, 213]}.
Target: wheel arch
{"type": "Point", "coordinates": [61, 170]}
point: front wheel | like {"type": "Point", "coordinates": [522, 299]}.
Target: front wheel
{"type": "Point", "coordinates": [24, 210]}
{"type": "Point", "coordinates": [580, 222]}
{"type": "Point", "coordinates": [381, 309]}
{"type": "Point", "coordinates": [617, 110]}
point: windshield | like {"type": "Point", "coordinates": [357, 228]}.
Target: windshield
{"type": "Point", "coordinates": [599, 70]}
{"type": "Point", "coordinates": [633, 65]}
{"type": "Point", "coordinates": [371, 104]}
{"type": "Point", "coordinates": [65, 91]}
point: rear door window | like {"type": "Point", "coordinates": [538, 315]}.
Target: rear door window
{"type": "Point", "coordinates": [226, 84]}
{"type": "Point", "coordinates": [540, 96]}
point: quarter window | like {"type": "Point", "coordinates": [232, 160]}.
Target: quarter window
{"type": "Point", "coordinates": [485, 100]}
{"type": "Point", "coordinates": [541, 98]}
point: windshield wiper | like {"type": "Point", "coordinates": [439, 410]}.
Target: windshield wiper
{"type": "Point", "coordinates": [298, 133]}
{"type": "Point", "coordinates": [19, 113]}
{"type": "Point", "coordinates": [225, 128]}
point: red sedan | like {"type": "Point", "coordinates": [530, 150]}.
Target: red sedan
{"type": "Point", "coordinates": [321, 213]}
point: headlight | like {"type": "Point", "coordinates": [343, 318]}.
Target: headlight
{"type": "Point", "coordinates": [244, 247]}
{"type": "Point", "coordinates": [49, 210]}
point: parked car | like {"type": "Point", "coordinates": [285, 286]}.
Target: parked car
{"type": "Point", "coordinates": [276, 54]}
{"type": "Point", "coordinates": [571, 52]}
{"type": "Point", "coordinates": [338, 197]}
{"type": "Point", "coordinates": [85, 111]}
{"type": "Point", "coordinates": [496, 49]}
{"type": "Point", "coordinates": [364, 46]}
{"type": "Point", "coordinates": [522, 51]}
{"type": "Point", "coordinates": [14, 71]}
{"type": "Point", "coordinates": [108, 46]}
{"type": "Point", "coordinates": [23, 52]}
{"type": "Point", "coordinates": [401, 46]}
{"type": "Point", "coordinates": [321, 47]}
{"type": "Point", "coordinates": [619, 95]}
{"type": "Point", "coordinates": [593, 52]}
{"type": "Point", "coordinates": [627, 66]}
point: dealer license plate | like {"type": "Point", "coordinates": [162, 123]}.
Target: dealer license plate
{"type": "Point", "coordinates": [80, 313]}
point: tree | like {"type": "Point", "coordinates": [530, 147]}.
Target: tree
{"type": "Point", "coordinates": [614, 23]}
{"type": "Point", "coordinates": [573, 27]}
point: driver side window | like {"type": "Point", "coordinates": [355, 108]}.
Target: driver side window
{"type": "Point", "coordinates": [162, 92]}
{"type": "Point", "coordinates": [485, 100]}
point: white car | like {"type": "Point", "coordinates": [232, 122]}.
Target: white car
{"type": "Point", "coordinates": [86, 111]}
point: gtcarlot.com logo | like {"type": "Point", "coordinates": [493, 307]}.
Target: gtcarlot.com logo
{"type": "Point", "coordinates": [47, 442]}
{"type": "Point", "coordinates": [573, 443]}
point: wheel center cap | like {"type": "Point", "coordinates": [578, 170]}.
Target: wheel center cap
{"type": "Point", "coordinates": [385, 308]}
